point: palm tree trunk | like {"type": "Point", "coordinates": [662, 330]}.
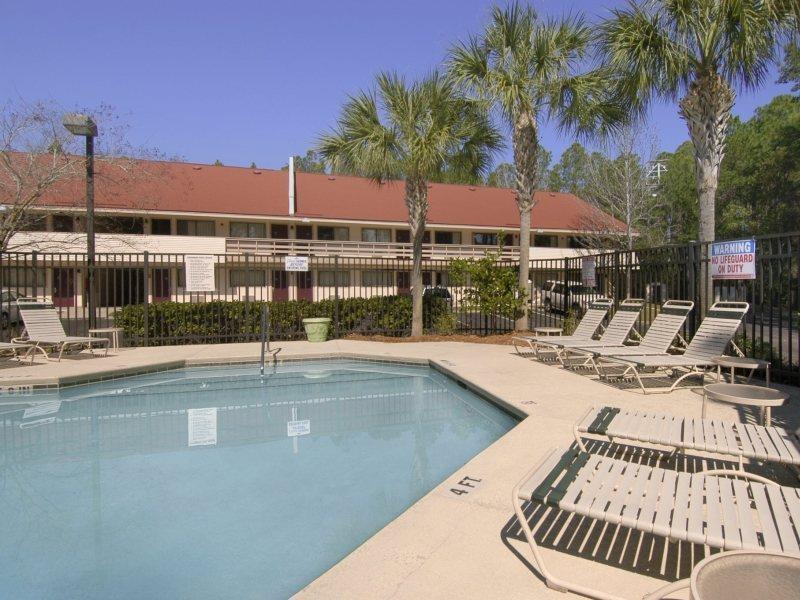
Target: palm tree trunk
{"type": "Point", "coordinates": [417, 205]}
{"type": "Point", "coordinates": [526, 151]}
{"type": "Point", "coordinates": [706, 108]}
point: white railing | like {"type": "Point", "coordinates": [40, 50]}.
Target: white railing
{"type": "Point", "coordinates": [379, 249]}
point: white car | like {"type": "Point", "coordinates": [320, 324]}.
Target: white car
{"type": "Point", "coordinates": [572, 296]}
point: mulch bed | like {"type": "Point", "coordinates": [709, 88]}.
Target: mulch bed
{"type": "Point", "coordinates": [504, 339]}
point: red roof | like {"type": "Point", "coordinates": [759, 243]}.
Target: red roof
{"type": "Point", "coordinates": [188, 187]}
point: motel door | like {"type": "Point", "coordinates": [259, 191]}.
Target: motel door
{"type": "Point", "coordinates": [63, 287]}
{"type": "Point", "coordinates": [305, 284]}
{"type": "Point", "coordinates": [161, 287]}
{"type": "Point", "coordinates": [280, 285]}
{"type": "Point", "coordinates": [403, 282]}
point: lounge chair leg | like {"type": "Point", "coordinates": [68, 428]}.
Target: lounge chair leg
{"type": "Point", "coordinates": [552, 582]}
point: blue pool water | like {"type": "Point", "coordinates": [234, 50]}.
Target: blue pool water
{"type": "Point", "coordinates": [188, 484]}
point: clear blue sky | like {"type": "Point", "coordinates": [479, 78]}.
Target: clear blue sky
{"type": "Point", "coordinates": [244, 81]}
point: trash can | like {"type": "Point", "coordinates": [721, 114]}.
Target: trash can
{"type": "Point", "coordinates": [317, 328]}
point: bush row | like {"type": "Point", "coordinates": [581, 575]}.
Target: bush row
{"type": "Point", "coordinates": [176, 322]}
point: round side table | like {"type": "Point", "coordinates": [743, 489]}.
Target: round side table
{"type": "Point", "coordinates": [745, 395]}
{"type": "Point", "coordinates": [740, 362]}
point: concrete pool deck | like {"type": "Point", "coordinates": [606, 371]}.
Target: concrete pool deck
{"type": "Point", "coordinates": [460, 543]}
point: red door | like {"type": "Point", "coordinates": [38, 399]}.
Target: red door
{"type": "Point", "coordinates": [305, 285]}
{"type": "Point", "coordinates": [63, 287]}
{"type": "Point", "coordinates": [280, 287]}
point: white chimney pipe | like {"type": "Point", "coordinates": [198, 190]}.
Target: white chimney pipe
{"type": "Point", "coordinates": [292, 205]}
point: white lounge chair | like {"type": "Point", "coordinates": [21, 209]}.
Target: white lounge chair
{"type": "Point", "coordinates": [15, 346]}
{"type": "Point", "coordinates": [709, 342]}
{"type": "Point", "coordinates": [44, 330]}
{"type": "Point", "coordinates": [717, 508]}
{"type": "Point", "coordinates": [590, 323]}
{"type": "Point", "coordinates": [717, 436]}
{"type": "Point", "coordinates": [657, 340]}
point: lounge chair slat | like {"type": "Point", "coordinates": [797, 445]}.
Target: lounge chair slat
{"type": "Point", "coordinates": [745, 442]}
{"type": "Point", "coordinates": [714, 535]}
{"type": "Point", "coordinates": [678, 529]}
{"type": "Point", "coordinates": [745, 514]}
{"type": "Point", "coordinates": [540, 483]}
{"type": "Point", "coordinates": [695, 529]}
{"type": "Point", "coordinates": [792, 441]}
{"type": "Point", "coordinates": [765, 517]}
{"type": "Point", "coordinates": [571, 493]}
{"type": "Point", "coordinates": [648, 513]}
{"type": "Point", "coordinates": [789, 541]}
{"type": "Point", "coordinates": [759, 450]}
{"type": "Point", "coordinates": [636, 499]}
{"type": "Point", "coordinates": [604, 476]}
{"type": "Point", "coordinates": [662, 436]}
{"type": "Point", "coordinates": [779, 441]}
{"type": "Point", "coordinates": [730, 522]}
{"type": "Point", "coordinates": [666, 500]}
{"type": "Point", "coordinates": [792, 498]}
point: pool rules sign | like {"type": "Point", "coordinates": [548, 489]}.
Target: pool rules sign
{"type": "Point", "coordinates": [733, 260]}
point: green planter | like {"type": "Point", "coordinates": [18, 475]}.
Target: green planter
{"type": "Point", "coordinates": [317, 328]}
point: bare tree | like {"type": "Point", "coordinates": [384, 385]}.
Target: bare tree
{"type": "Point", "coordinates": [41, 164]}
{"type": "Point", "coordinates": [625, 206]}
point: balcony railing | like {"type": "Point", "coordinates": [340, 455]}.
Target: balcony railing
{"type": "Point", "coordinates": [379, 249]}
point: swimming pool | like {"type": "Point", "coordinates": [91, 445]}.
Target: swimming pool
{"type": "Point", "coordinates": [213, 483]}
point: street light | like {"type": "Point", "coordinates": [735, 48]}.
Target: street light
{"type": "Point", "coordinates": [84, 126]}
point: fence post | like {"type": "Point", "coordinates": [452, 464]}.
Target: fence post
{"type": "Point", "coordinates": [692, 285]}
{"type": "Point", "coordinates": [34, 268]}
{"type": "Point", "coordinates": [336, 296]}
{"type": "Point", "coordinates": [146, 298]}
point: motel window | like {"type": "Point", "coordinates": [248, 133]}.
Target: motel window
{"type": "Point", "coordinates": [64, 223]}
{"type": "Point", "coordinates": [304, 232]}
{"type": "Point", "coordinates": [545, 241]}
{"type": "Point", "coordinates": [376, 235]}
{"type": "Point", "coordinates": [161, 226]}
{"type": "Point", "coordinates": [248, 277]}
{"type": "Point", "coordinates": [20, 277]}
{"type": "Point", "coordinates": [110, 224]}
{"type": "Point", "coordinates": [248, 230]}
{"type": "Point", "coordinates": [575, 242]}
{"type": "Point", "coordinates": [338, 234]}
{"type": "Point", "coordinates": [403, 236]}
{"type": "Point", "coordinates": [196, 228]}
{"type": "Point", "coordinates": [377, 278]}
{"type": "Point", "coordinates": [279, 231]}
{"type": "Point", "coordinates": [33, 222]}
{"type": "Point", "coordinates": [484, 239]}
{"type": "Point", "coordinates": [447, 237]}
{"type": "Point", "coordinates": [333, 278]}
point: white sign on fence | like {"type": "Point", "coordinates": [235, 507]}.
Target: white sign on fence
{"type": "Point", "coordinates": [295, 263]}
{"type": "Point", "coordinates": [202, 426]}
{"type": "Point", "coordinates": [295, 428]}
{"type": "Point", "coordinates": [588, 272]}
{"type": "Point", "coordinates": [733, 260]}
{"type": "Point", "coordinates": [200, 273]}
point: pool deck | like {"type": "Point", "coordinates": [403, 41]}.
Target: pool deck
{"type": "Point", "coordinates": [452, 544]}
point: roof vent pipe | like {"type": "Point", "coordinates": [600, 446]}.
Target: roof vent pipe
{"type": "Point", "coordinates": [292, 203]}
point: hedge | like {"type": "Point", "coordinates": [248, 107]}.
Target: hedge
{"type": "Point", "coordinates": [220, 321]}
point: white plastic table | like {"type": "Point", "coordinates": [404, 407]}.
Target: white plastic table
{"type": "Point", "coordinates": [548, 330]}
{"type": "Point", "coordinates": [112, 331]}
{"type": "Point", "coordinates": [740, 362]}
{"type": "Point", "coordinates": [745, 395]}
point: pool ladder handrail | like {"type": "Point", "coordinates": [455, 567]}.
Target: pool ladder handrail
{"type": "Point", "coordinates": [265, 335]}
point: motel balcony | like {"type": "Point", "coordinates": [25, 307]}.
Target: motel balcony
{"type": "Point", "coordinates": [53, 242]}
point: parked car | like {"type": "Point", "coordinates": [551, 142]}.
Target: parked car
{"type": "Point", "coordinates": [438, 292]}
{"type": "Point", "coordinates": [573, 295]}
{"type": "Point", "coordinates": [9, 313]}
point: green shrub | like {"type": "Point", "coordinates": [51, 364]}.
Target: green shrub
{"type": "Point", "coordinates": [571, 321]}
{"type": "Point", "coordinates": [232, 321]}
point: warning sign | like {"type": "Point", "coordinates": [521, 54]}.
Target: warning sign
{"type": "Point", "coordinates": [733, 260]}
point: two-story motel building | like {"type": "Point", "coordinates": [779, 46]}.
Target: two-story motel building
{"type": "Point", "coordinates": [260, 216]}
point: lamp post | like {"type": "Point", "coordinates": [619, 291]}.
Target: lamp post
{"type": "Point", "coordinates": [84, 126]}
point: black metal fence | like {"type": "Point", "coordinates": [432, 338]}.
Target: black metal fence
{"type": "Point", "coordinates": [339, 287]}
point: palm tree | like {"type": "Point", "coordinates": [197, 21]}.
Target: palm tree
{"type": "Point", "coordinates": [418, 132]}
{"type": "Point", "coordinates": [529, 71]}
{"type": "Point", "coordinates": [701, 50]}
